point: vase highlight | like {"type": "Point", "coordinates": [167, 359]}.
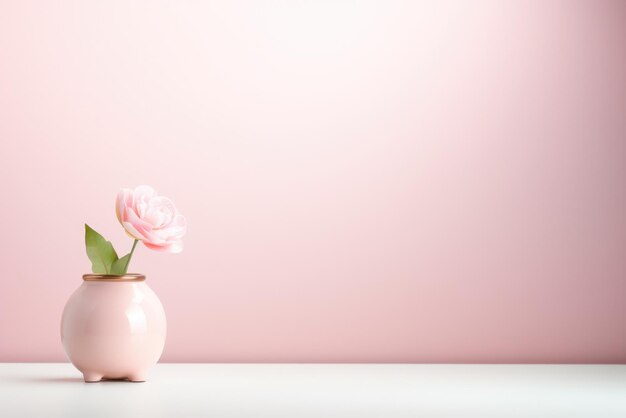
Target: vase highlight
{"type": "Point", "coordinates": [113, 327]}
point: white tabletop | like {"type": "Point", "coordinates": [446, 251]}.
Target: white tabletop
{"type": "Point", "coordinates": [319, 390]}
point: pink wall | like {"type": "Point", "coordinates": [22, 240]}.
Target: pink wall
{"type": "Point", "coordinates": [394, 182]}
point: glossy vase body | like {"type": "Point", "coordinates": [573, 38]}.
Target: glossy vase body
{"type": "Point", "coordinates": [113, 328]}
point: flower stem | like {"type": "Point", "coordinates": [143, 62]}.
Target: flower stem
{"type": "Point", "coordinates": [130, 255]}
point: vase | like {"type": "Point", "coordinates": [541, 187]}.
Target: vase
{"type": "Point", "coordinates": [113, 327]}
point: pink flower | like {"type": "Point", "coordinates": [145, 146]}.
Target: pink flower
{"type": "Point", "coordinates": [152, 219]}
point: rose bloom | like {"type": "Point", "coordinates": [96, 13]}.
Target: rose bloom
{"type": "Point", "coordinates": [150, 218]}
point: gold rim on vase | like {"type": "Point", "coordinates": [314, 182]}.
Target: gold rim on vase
{"type": "Point", "coordinates": [129, 277]}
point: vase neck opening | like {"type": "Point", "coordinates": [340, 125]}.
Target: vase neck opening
{"type": "Point", "coordinates": [130, 277]}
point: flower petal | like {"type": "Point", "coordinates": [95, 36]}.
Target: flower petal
{"type": "Point", "coordinates": [173, 247]}
{"type": "Point", "coordinates": [121, 202]}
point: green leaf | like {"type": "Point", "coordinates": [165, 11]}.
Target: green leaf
{"type": "Point", "coordinates": [100, 252]}
{"type": "Point", "coordinates": [120, 266]}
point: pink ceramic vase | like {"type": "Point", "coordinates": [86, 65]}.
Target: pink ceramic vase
{"type": "Point", "coordinates": [113, 327]}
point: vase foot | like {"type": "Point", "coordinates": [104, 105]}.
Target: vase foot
{"type": "Point", "coordinates": [137, 378]}
{"type": "Point", "coordinates": [92, 377]}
